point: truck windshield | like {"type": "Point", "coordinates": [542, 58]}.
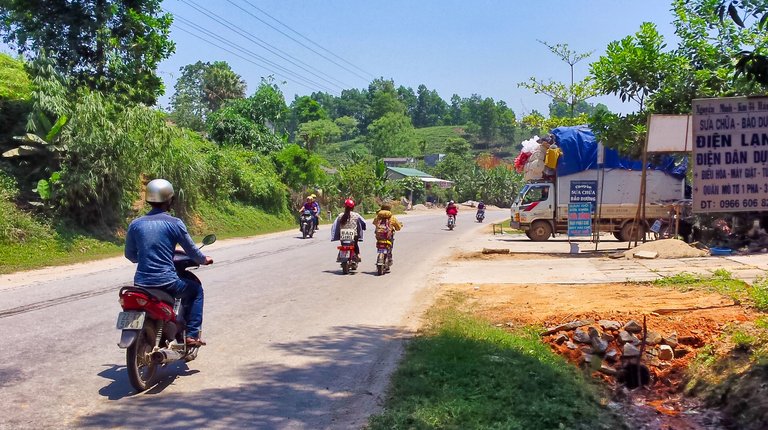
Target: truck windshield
{"type": "Point", "coordinates": [536, 194]}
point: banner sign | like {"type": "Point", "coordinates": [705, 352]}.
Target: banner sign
{"type": "Point", "coordinates": [584, 191]}
{"type": "Point", "coordinates": [580, 219]}
{"type": "Point", "coordinates": [730, 154]}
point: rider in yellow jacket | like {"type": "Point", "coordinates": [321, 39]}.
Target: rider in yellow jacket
{"type": "Point", "coordinates": [384, 214]}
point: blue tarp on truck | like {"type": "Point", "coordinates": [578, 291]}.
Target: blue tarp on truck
{"type": "Point", "coordinates": [580, 148]}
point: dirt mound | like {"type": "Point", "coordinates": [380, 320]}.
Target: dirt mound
{"type": "Point", "coordinates": [686, 322]}
{"type": "Point", "coordinates": [667, 248]}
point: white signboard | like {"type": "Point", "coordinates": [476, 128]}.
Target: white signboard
{"type": "Point", "coordinates": [669, 133]}
{"type": "Point", "coordinates": [730, 154]}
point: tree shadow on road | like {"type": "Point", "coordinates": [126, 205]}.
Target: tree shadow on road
{"type": "Point", "coordinates": [337, 387]}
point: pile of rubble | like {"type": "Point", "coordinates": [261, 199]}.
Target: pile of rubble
{"type": "Point", "coordinates": [610, 348]}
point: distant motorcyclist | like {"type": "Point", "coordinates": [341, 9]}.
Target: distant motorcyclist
{"type": "Point", "coordinates": [452, 210]}
{"type": "Point", "coordinates": [151, 241]}
{"type": "Point", "coordinates": [316, 210]}
{"type": "Point", "coordinates": [311, 205]}
{"type": "Point", "coordinates": [480, 211]}
{"type": "Point", "coordinates": [351, 220]}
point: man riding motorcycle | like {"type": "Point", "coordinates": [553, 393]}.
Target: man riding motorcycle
{"type": "Point", "coordinates": [151, 241]}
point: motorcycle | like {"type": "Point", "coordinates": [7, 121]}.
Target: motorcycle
{"type": "Point", "coordinates": [347, 256]}
{"type": "Point", "coordinates": [451, 222]}
{"type": "Point", "coordinates": [480, 216]}
{"type": "Point", "coordinates": [307, 224]}
{"type": "Point", "coordinates": [383, 256]}
{"type": "Point", "coordinates": [153, 326]}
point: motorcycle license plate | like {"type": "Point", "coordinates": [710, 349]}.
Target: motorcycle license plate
{"type": "Point", "coordinates": [382, 250]}
{"type": "Point", "coordinates": [344, 254]}
{"type": "Point", "coordinates": [347, 235]}
{"type": "Point", "coordinates": [130, 320]}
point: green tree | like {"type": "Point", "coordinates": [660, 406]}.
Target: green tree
{"type": "Point", "coordinates": [318, 132]}
{"type": "Point", "coordinates": [202, 89]}
{"type": "Point", "coordinates": [306, 109]}
{"type": "Point", "coordinates": [635, 67]}
{"type": "Point", "coordinates": [108, 45]}
{"type": "Point", "coordinates": [220, 84]}
{"type": "Point", "coordinates": [384, 100]}
{"type": "Point", "coordinates": [558, 91]}
{"type": "Point", "coordinates": [488, 119]}
{"type": "Point", "coordinates": [752, 18]}
{"type": "Point", "coordinates": [408, 98]}
{"type": "Point", "coordinates": [430, 108]}
{"type": "Point", "coordinates": [358, 180]}
{"type": "Point", "coordinates": [298, 167]}
{"type": "Point", "coordinates": [253, 122]}
{"type": "Point", "coordinates": [391, 136]}
{"type": "Point", "coordinates": [348, 127]}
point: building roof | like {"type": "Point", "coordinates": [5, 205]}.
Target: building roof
{"type": "Point", "coordinates": [405, 171]}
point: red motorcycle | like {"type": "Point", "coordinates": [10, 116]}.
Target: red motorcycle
{"type": "Point", "coordinates": [153, 326]}
{"type": "Point", "coordinates": [347, 256]}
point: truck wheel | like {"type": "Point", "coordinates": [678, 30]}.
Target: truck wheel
{"type": "Point", "coordinates": [540, 231]}
{"type": "Point", "coordinates": [617, 235]}
{"type": "Point", "coordinates": [636, 234]}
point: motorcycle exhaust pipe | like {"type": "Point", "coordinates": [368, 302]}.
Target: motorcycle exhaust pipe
{"type": "Point", "coordinates": [165, 355]}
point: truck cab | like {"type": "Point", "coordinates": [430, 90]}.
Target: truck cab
{"type": "Point", "coordinates": [533, 210]}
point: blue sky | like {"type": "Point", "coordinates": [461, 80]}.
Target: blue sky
{"type": "Point", "coordinates": [453, 46]}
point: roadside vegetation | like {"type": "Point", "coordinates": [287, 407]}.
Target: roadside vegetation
{"type": "Point", "coordinates": [730, 374]}
{"type": "Point", "coordinates": [462, 372]}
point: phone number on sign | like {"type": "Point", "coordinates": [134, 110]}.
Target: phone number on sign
{"type": "Point", "coordinates": [744, 203]}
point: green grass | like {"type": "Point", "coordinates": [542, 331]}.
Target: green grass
{"type": "Point", "coordinates": [721, 282]}
{"type": "Point", "coordinates": [62, 246]}
{"type": "Point", "coordinates": [435, 137]}
{"type": "Point", "coordinates": [462, 373]}
{"type": "Point", "coordinates": [337, 153]}
{"type": "Point", "coordinates": [45, 245]}
{"type": "Point", "coordinates": [238, 220]}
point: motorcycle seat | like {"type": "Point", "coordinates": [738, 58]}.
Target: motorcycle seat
{"type": "Point", "coordinates": [153, 292]}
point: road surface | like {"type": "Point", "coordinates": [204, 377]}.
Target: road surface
{"type": "Point", "coordinates": [292, 343]}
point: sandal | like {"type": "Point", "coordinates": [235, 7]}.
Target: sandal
{"type": "Point", "coordinates": [193, 341]}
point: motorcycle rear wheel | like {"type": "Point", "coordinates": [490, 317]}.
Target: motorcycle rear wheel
{"type": "Point", "coordinates": [345, 267]}
{"type": "Point", "coordinates": [141, 370]}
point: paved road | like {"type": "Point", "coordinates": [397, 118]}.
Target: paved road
{"type": "Point", "coordinates": [292, 343]}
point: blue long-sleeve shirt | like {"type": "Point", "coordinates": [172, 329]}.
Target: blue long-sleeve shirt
{"type": "Point", "coordinates": [151, 240]}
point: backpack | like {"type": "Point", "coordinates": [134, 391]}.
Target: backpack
{"type": "Point", "coordinates": [383, 230]}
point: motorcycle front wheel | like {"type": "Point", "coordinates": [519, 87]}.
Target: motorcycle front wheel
{"type": "Point", "coordinates": [141, 370]}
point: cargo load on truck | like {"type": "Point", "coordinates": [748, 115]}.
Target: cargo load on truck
{"type": "Point", "coordinates": [611, 182]}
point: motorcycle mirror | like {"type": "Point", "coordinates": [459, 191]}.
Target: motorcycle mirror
{"type": "Point", "coordinates": [207, 240]}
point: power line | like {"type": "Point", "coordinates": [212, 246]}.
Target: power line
{"type": "Point", "coordinates": [175, 24]}
{"type": "Point", "coordinates": [251, 54]}
{"type": "Point", "coordinates": [308, 39]}
{"type": "Point", "coordinates": [297, 41]}
{"type": "Point", "coordinates": [271, 48]}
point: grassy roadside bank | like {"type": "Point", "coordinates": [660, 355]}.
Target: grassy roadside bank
{"type": "Point", "coordinates": [461, 372]}
{"type": "Point", "coordinates": [60, 245]}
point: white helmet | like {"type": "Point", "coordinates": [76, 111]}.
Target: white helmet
{"type": "Point", "coordinates": [159, 191]}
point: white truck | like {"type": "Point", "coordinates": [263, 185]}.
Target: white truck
{"type": "Point", "coordinates": [541, 207]}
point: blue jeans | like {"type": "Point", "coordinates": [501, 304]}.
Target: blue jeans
{"type": "Point", "coordinates": [191, 294]}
